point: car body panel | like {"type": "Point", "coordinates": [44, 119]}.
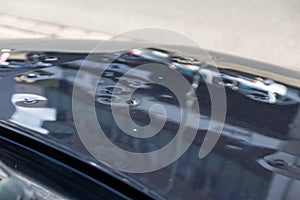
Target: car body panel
{"type": "Point", "coordinates": [260, 133]}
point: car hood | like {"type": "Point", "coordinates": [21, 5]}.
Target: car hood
{"type": "Point", "coordinates": [256, 156]}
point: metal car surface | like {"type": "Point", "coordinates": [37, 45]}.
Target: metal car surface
{"type": "Point", "coordinates": [256, 157]}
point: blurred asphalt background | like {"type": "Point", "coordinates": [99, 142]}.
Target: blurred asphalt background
{"type": "Point", "coordinates": [267, 30]}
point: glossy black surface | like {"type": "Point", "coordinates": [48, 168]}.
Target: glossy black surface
{"type": "Point", "coordinates": [256, 156]}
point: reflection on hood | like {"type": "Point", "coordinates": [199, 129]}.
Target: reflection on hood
{"type": "Point", "coordinates": [31, 117]}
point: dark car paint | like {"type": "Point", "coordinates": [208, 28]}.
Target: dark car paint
{"type": "Point", "coordinates": [256, 154]}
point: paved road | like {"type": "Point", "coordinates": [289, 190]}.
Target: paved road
{"type": "Point", "coordinates": [264, 30]}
